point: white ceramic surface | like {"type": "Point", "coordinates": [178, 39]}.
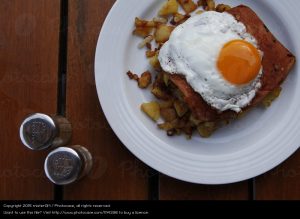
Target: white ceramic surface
{"type": "Point", "coordinates": [242, 150]}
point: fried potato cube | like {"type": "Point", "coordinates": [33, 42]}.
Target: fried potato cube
{"type": "Point", "coordinates": [188, 130]}
{"type": "Point", "coordinates": [206, 129]}
{"type": "Point", "coordinates": [208, 5]}
{"type": "Point", "coordinates": [182, 122]}
{"type": "Point", "coordinates": [188, 5]}
{"type": "Point", "coordinates": [170, 127]}
{"type": "Point", "coordinates": [201, 3]}
{"type": "Point", "coordinates": [194, 121]}
{"type": "Point", "coordinates": [161, 20]}
{"type": "Point", "coordinates": [147, 40]}
{"type": "Point", "coordinates": [179, 18]}
{"type": "Point", "coordinates": [180, 107]}
{"type": "Point", "coordinates": [168, 114]}
{"type": "Point", "coordinates": [132, 76]}
{"type": "Point", "coordinates": [169, 7]}
{"type": "Point", "coordinates": [143, 23]}
{"type": "Point", "coordinates": [151, 109]}
{"type": "Point", "coordinates": [163, 33]}
{"type": "Point", "coordinates": [143, 28]}
{"type": "Point", "coordinates": [166, 126]}
{"type": "Point", "coordinates": [166, 104]}
{"type": "Point", "coordinates": [222, 8]}
{"type": "Point", "coordinates": [211, 5]}
{"type": "Point", "coordinates": [150, 53]}
{"type": "Point", "coordinates": [159, 80]}
{"type": "Point", "coordinates": [145, 80]}
{"type": "Point", "coordinates": [166, 79]}
{"type": "Point", "coordinates": [267, 101]}
{"type": "Point", "coordinates": [154, 62]}
{"type": "Point", "coordinates": [143, 31]}
{"type": "Point", "coordinates": [160, 93]}
{"type": "Point", "coordinates": [159, 89]}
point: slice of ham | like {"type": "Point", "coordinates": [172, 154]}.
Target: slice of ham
{"type": "Point", "coordinates": [277, 63]}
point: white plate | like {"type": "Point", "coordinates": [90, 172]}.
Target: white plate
{"type": "Point", "coordinates": [244, 149]}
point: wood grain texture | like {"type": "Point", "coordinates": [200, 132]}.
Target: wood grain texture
{"type": "Point", "coordinates": [172, 189]}
{"type": "Point", "coordinates": [116, 173]}
{"type": "Point", "coordinates": [282, 183]}
{"type": "Point", "coordinates": [28, 83]}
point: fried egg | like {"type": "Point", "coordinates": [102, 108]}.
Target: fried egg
{"type": "Point", "coordinates": [219, 59]}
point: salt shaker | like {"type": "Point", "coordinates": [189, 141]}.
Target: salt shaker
{"type": "Point", "coordinates": [66, 165]}
{"type": "Point", "coordinates": [40, 131]}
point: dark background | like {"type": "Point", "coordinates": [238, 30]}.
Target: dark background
{"type": "Point", "coordinates": [47, 52]}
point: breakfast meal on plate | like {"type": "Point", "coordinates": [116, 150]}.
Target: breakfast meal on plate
{"type": "Point", "coordinates": [212, 64]}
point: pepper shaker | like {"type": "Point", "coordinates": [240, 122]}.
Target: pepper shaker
{"type": "Point", "coordinates": [66, 165]}
{"type": "Point", "coordinates": [40, 131]}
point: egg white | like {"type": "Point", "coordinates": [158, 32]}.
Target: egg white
{"type": "Point", "coordinates": [193, 50]}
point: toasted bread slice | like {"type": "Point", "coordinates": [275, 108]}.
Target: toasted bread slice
{"type": "Point", "coordinates": [277, 63]}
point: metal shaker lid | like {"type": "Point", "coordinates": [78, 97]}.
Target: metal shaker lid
{"type": "Point", "coordinates": [63, 166]}
{"type": "Point", "coordinates": [38, 131]}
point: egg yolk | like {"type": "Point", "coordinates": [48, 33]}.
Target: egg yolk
{"type": "Point", "coordinates": [239, 62]}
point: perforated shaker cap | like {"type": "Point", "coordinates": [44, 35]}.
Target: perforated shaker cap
{"type": "Point", "coordinates": [38, 131]}
{"type": "Point", "coordinates": [63, 166]}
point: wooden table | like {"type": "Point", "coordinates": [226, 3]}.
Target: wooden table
{"type": "Point", "coordinates": [47, 52]}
